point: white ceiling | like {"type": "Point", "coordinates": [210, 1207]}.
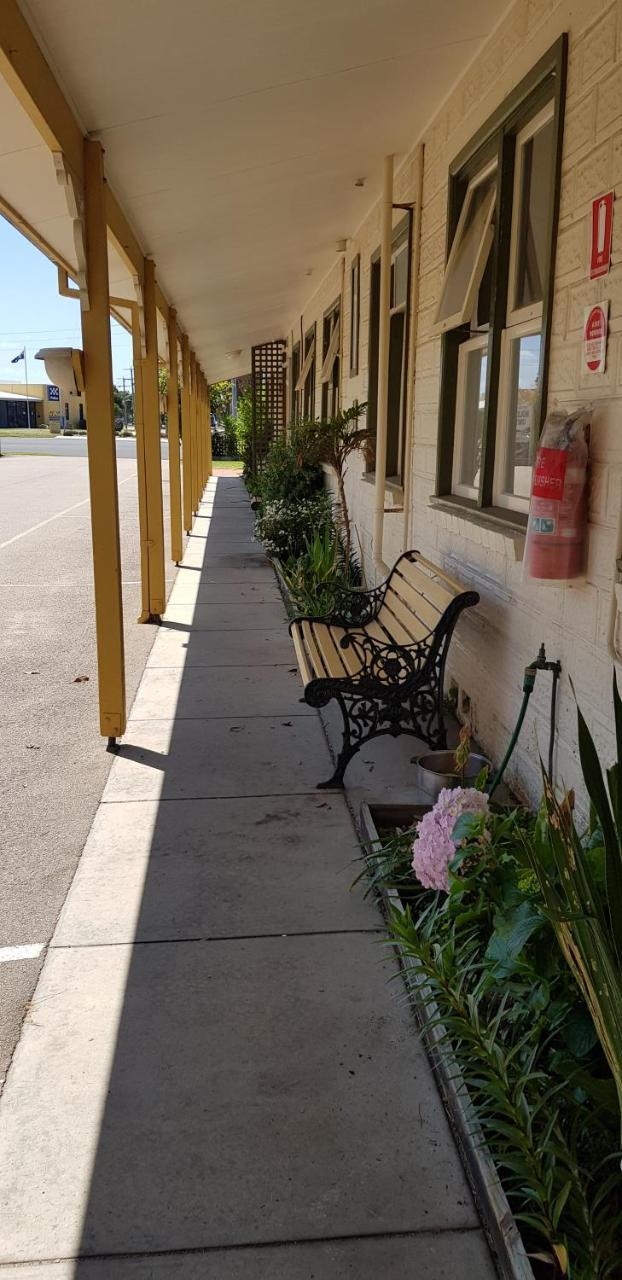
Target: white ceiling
{"type": "Point", "coordinates": [235, 130]}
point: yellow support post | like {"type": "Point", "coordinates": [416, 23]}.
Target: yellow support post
{"type": "Point", "coordinates": [172, 407]}
{"type": "Point", "coordinates": [199, 438]}
{"type": "Point", "coordinates": [203, 436]}
{"type": "Point", "coordinates": [199, 435]}
{"type": "Point", "coordinates": [102, 455]}
{"type": "Point", "coordinates": [153, 457]}
{"type": "Point", "coordinates": [209, 432]}
{"type": "Point", "coordinates": [194, 433]}
{"type": "Point", "coordinates": [139, 427]}
{"type": "Point", "coordinates": [186, 433]}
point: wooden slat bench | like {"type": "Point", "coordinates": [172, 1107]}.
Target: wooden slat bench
{"type": "Point", "coordinates": [381, 655]}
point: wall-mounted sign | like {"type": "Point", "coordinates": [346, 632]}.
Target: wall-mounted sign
{"type": "Point", "coordinates": [53, 393]}
{"type": "Point", "coordinates": [602, 235]}
{"type": "Point", "coordinates": [595, 323]}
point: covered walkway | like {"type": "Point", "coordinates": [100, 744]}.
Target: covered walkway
{"type": "Point", "coordinates": [216, 1078]}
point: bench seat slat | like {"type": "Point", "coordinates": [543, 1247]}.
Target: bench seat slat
{"type": "Point", "coordinates": [398, 613]}
{"type": "Point", "coordinates": [426, 613]}
{"type": "Point", "coordinates": [329, 650]}
{"type": "Point", "coordinates": [320, 668]}
{"type": "Point", "coordinates": [377, 632]}
{"type": "Point", "coordinates": [456, 587]}
{"type": "Point", "coordinates": [301, 656]}
{"type": "Point", "coordinates": [348, 656]}
{"type": "Point", "coordinates": [437, 592]}
{"type": "Point", "coordinates": [399, 633]}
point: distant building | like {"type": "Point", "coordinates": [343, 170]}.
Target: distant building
{"type": "Point", "coordinates": [49, 406]}
{"type": "Point", "coordinates": [18, 410]}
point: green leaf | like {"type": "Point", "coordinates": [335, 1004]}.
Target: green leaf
{"type": "Point", "coordinates": [482, 778]}
{"type": "Point", "coordinates": [595, 784]}
{"type": "Point", "coordinates": [466, 827]}
{"type": "Point", "coordinates": [511, 933]}
{"type": "Point", "coordinates": [579, 1032]}
{"type": "Point", "coordinates": [560, 1202]}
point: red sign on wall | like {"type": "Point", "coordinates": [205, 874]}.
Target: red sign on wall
{"type": "Point", "coordinates": [602, 235]}
{"type": "Point", "coordinates": [595, 337]}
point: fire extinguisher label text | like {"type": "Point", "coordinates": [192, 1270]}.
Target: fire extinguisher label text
{"type": "Point", "coordinates": [550, 473]}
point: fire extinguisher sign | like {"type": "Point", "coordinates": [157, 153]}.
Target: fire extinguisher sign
{"type": "Point", "coordinates": [602, 235]}
{"type": "Point", "coordinates": [595, 326]}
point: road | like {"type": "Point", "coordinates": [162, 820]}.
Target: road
{"type": "Point", "coordinates": [54, 764]}
{"type": "Point", "coordinates": [66, 446]}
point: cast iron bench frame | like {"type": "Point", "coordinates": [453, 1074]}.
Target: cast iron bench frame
{"type": "Point", "coordinates": [381, 656]}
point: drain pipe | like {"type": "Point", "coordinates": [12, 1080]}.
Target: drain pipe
{"type": "Point", "coordinates": [383, 364]}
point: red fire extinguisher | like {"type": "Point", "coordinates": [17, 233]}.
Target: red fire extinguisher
{"type": "Point", "coordinates": [556, 534]}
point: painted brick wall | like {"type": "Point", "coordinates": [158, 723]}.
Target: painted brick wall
{"type": "Point", "coordinates": [494, 643]}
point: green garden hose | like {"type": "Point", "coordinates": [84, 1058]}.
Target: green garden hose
{"type": "Point", "coordinates": [529, 679]}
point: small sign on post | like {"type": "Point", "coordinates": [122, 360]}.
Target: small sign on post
{"type": "Point", "coordinates": [601, 236]}
{"type": "Point", "coordinates": [595, 326]}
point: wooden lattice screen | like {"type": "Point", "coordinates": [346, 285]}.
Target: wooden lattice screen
{"type": "Point", "coordinates": [268, 389]}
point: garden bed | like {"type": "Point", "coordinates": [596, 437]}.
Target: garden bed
{"type": "Point", "coordinates": [495, 1212]}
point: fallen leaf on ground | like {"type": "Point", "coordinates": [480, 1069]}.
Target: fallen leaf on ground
{"type": "Point", "coordinates": [81, 679]}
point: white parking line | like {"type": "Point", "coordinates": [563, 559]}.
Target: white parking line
{"type": "Point", "coordinates": [29, 952]}
{"type": "Point", "coordinates": [42, 523]}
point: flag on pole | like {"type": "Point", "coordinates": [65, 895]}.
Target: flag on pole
{"type": "Point", "coordinates": [21, 356]}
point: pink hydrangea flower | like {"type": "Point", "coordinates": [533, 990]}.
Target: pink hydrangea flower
{"type": "Point", "coordinates": [434, 846]}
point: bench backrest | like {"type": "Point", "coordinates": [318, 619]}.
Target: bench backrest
{"type": "Point", "coordinates": [417, 595]}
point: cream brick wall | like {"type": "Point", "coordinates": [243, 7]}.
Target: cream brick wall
{"type": "Point", "coordinates": [494, 643]}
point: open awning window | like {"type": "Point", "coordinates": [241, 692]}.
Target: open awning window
{"type": "Point", "coordinates": [469, 252]}
{"type": "Point", "coordinates": [332, 353]}
{"type": "Point", "coordinates": [304, 372]}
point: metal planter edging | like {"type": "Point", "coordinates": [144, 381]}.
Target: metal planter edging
{"type": "Point", "coordinates": [495, 1212]}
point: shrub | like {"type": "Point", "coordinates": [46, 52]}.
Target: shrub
{"type": "Point", "coordinates": [311, 578]}
{"type": "Point", "coordinates": [243, 427]}
{"type": "Point", "coordinates": [286, 474]}
{"type": "Point", "coordinates": [333, 440]}
{"type": "Point", "coordinates": [225, 444]}
{"type": "Point", "coordinates": [284, 526]}
{"type": "Point", "coordinates": [317, 578]}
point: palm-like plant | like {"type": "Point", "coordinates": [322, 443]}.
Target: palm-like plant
{"type": "Point", "coordinates": [331, 441]}
{"type": "Point", "coordinates": [586, 917]}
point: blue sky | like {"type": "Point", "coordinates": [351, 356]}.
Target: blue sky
{"type": "Point", "coordinates": [32, 315]}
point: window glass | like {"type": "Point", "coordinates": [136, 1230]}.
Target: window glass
{"type": "Point", "coordinates": [354, 315]}
{"type": "Point", "coordinates": [399, 278]}
{"type": "Point", "coordinates": [472, 413]}
{"type": "Point", "coordinates": [537, 157]}
{"type": "Point", "coordinates": [397, 331]}
{"type": "Point", "coordinates": [469, 253]}
{"type": "Point", "coordinates": [522, 435]}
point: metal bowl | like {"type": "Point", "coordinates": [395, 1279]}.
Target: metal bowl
{"type": "Point", "coordinates": [437, 769]}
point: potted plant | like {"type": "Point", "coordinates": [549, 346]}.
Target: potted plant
{"type": "Point", "coordinates": [458, 768]}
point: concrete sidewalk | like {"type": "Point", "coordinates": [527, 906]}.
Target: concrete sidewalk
{"type": "Point", "coordinates": [216, 1080]}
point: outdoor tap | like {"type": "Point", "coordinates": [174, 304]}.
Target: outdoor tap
{"type": "Point", "coordinates": [540, 663]}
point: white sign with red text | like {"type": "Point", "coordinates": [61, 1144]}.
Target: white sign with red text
{"type": "Point", "coordinates": [595, 326]}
